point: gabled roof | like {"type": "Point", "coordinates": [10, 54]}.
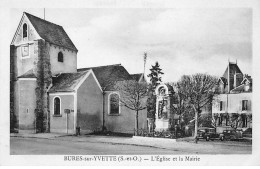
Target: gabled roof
{"type": "Point", "coordinates": [232, 68]}
{"type": "Point", "coordinates": [248, 78]}
{"type": "Point", "coordinates": [66, 82]}
{"type": "Point", "coordinates": [51, 32]}
{"type": "Point", "coordinates": [136, 77]}
{"type": "Point", "coordinates": [108, 75]}
{"type": "Point", "coordinates": [224, 80]}
{"type": "Point", "coordinates": [28, 74]}
{"type": "Point", "coordinates": [238, 89]}
{"type": "Point", "coordinates": [229, 73]}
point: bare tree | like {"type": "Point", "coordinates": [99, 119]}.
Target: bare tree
{"type": "Point", "coordinates": [198, 90]}
{"type": "Point", "coordinates": [133, 95]}
{"type": "Point", "coordinates": [179, 101]}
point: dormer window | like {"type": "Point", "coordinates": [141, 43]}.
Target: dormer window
{"type": "Point", "coordinates": [60, 57]}
{"type": "Point", "coordinates": [25, 32]}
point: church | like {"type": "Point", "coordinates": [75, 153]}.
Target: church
{"type": "Point", "coordinates": [48, 93]}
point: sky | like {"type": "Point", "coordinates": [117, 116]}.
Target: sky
{"type": "Point", "coordinates": [183, 41]}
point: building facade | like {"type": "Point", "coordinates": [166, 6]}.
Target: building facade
{"type": "Point", "coordinates": [233, 106]}
{"type": "Point", "coordinates": [49, 94]}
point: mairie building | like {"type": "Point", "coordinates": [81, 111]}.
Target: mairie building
{"type": "Point", "coordinates": [232, 108]}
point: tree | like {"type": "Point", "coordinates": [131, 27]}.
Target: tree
{"type": "Point", "coordinates": [151, 103]}
{"type": "Point", "coordinates": [155, 79]}
{"type": "Point", "coordinates": [198, 90]}
{"type": "Point", "coordinates": [133, 96]}
{"type": "Point", "coordinates": [155, 75]}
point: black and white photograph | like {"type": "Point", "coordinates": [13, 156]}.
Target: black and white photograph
{"type": "Point", "coordinates": [133, 83]}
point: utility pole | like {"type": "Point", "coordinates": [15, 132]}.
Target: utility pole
{"type": "Point", "coordinates": [44, 13]}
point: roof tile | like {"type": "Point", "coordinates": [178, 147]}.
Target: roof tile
{"type": "Point", "coordinates": [66, 82]}
{"type": "Point", "coordinates": [108, 75]}
{"type": "Point", "coordinates": [51, 32]}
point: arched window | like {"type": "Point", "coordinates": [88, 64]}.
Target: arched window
{"type": "Point", "coordinates": [25, 30]}
{"type": "Point", "coordinates": [60, 57]}
{"type": "Point", "coordinates": [56, 106]}
{"type": "Point", "coordinates": [114, 104]}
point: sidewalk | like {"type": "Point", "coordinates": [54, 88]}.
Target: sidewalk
{"type": "Point", "coordinates": [38, 135]}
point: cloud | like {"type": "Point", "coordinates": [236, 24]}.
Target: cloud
{"type": "Point", "coordinates": [184, 41]}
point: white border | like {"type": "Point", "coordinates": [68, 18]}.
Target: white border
{"type": "Point", "coordinates": [7, 159]}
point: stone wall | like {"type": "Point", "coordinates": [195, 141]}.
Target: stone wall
{"type": "Point", "coordinates": [44, 80]}
{"type": "Point", "coordinates": [13, 72]}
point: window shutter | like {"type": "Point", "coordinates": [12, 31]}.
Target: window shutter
{"type": "Point", "coordinates": [240, 106]}
{"type": "Point", "coordinates": [224, 106]}
{"type": "Point", "coordinates": [216, 105]}
{"type": "Point", "coordinates": [249, 105]}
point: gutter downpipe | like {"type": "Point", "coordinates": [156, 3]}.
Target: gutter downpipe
{"type": "Point", "coordinates": [75, 112]}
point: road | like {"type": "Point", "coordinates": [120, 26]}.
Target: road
{"type": "Point", "coordinates": [61, 146]}
{"type": "Point", "coordinates": [34, 146]}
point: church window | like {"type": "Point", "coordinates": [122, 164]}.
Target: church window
{"type": "Point", "coordinates": [25, 33]}
{"type": "Point", "coordinates": [57, 106]}
{"type": "Point", "coordinates": [60, 57]}
{"type": "Point", "coordinates": [114, 104]}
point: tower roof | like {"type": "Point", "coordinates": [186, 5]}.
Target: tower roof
{"type": "Point", "coordinates": [51, 32]}
{"type": "Point", "coordinates": [232, 67]}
